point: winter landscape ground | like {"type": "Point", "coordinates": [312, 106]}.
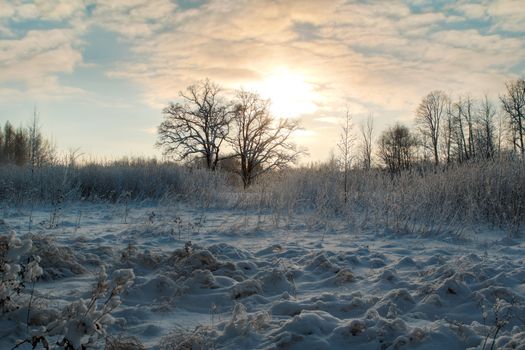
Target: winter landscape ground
{"type": "Point", "coordinates": [262, 174]}
{"type": "Point", "coordinates": [243, 279]}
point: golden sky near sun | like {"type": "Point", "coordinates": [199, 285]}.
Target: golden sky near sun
{"type": "Point", "coordinates": [290, 94]}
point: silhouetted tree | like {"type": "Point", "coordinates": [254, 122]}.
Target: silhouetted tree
{"type": "Point", "coordinates": [1, 145]}
{"type": "Point", "coordinates": [367, 131]}
{"type": "Point", "coordinates": [9, 142]}
{"type": "Point", "coordinates": [198, 126]}
{"type": "Point", "coordinates": [448, 133]}
{"type": "Point", "coordinates": [513, 102]}
{"type": "Point", "coordinates": [428, 118]}
{"type": "Point", "coordinates": [21, 147]}
{"type": "Point", "coordinates": [260, 142]}
{"type": "Point", "coordinates": [396, 148]}
{"type": "Point", "coordinates": [485, 128]}
{"type": "Point", "coordinates": [345, 147]}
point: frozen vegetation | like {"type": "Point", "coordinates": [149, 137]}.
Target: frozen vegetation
{"type": "Point", "coordinates": [420, 261]}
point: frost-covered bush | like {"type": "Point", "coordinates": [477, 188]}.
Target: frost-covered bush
{"type": "Point", "coordinates": [58, 261]}
{"type": "Point", "coordinates": [17, 267]}
{"type": "Point", "coordinates": [83, 323]}
{"type": "Point", "coordinates": [242, 322]}
{"type": "Point", "coordinates": [124, 343]}
{"type": "Point", "coordinates": [181, 339]}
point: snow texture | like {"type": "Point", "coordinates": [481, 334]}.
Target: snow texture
{"type": "Point", "coordinates": [241, 280]}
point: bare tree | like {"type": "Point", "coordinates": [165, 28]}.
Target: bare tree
{"type": "Point", "coordinates": [485, 129]}
{"type": "Point", "coordinates": [9, 142]}
{"type": "Point", "coordinates": [40, 149]}
{"type": "Point", "coordinates": [197, 127]}
{"type": "Point", "coordinates": [513, 103]}
{"type": "Point", "coordinates": [345, 146]}
{"type": "Point", "coordinates": [367, 131]}
{"type": "Point", "coordinates": [260, 142]}
{"type": "Point", "coordinates": [428, 117]}
{"type": "Point", "coordinates": [459, 132]}
{"type": "Point", "coordinates": [1, 145]}
{"type": "Point", "coordinates": [396, 148]}
{"type": "Point", "coordinates": [500, 132]}
{"type": "Point", "coordinates": [33, 143]}
{"type": "Point", "coordinates": [448, 133]}
{"type": "Point", "coordinates": [468, 114]}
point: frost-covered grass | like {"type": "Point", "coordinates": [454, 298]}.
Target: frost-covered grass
{"type": "Point", "coordinates": [425, 201]}
{"type": "Point", "coordinates": [422, 201]}
{"type": "Point", "coordinates": [258, 278]}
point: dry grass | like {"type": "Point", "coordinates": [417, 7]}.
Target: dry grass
{"type": "Point", "coordinates": [124, 343]}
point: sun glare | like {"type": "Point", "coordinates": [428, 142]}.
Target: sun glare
{"type": "Point", "coordinates": [290, 94]}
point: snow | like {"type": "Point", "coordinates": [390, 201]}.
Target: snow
{"type": "Point", "coordinates": [239, 279]}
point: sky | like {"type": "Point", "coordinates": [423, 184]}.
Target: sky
{"type": "Point", "coordinates": [100, 71]}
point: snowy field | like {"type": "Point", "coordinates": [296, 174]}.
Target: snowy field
{"type": "Point", "coordinates": [253, 281]}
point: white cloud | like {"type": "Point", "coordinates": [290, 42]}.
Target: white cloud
{"type": "Point", "coordinates": [35, 59]}
{"type": "Point", "coordinates": [134, 18]}
{"type": "Point", "coordinates": [509, 15]}
{"type": "Point", "coordinates": [55, 10]}
{"type": "Point", "coordinates": [38, 52]}
{"type": "Point", "coordinates": [373, 56]}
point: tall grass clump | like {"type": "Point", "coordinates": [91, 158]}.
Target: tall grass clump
{"type": "Point", "coordinates": [134, 179]}
{"type": "Point", "coordinates": [424, 200]}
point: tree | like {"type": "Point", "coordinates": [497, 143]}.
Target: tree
{"type": "Point", "coordinates": [469, 129]}
{"type": "Point", "coordinates": [34, 143]}
{"type": "Point", "coordinates": [513, 103]}
{"type": "Point", "coordinates": [1, 145]}
{"type": "Point", "coordinates": [428, 118]}
{"type": "Point", "coordinates": [198, 126]}
{"type": "Point", "coordinates": [485, 129]}
{"type": "Point", "coordinates": [25, 145]}
{"type": "Point", "coordinates": [448, 133]}
{"type": "Point", "coordinates": [396, 148]}
{"type": "Point", "coordinates": [345, 146]}
{"type": "Point", "coordinates": [9, 142]}
{"type": "Point", "coordinates": [458, 134]}
{"type": "Point", "coordinates": [21, 147]}
{"type": "Point", "coordinates": [367, 131]}
{"type": "Point", "coordinates": [260, 142]}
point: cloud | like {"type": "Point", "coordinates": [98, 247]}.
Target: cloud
{"type": "Point", "coordinates": [329, 120]}
{"type": "Point", "coordinates": [509, 15]}
{"type": "Point", "coordinates": [55, 10]}
{"type": "Point", "coordinates": [37, 54]}
{"type": "Point", "coordinates": [379, 57]}
{"type": "Point", "coordinates": [377, 52]}
{"type": "Point", "coordinates": [133, 18]}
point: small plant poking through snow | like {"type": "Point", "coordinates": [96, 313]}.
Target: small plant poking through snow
{"type": "Point", "coordinates": [503, 313]}
{"type": "Point", "coordinates": [123, 343]}
{"type": "Point", "coordinates": [178, 223]}
{"type": "Point", "coordinates": [243, 323]}
{"type": "Point", "coordinates": [182, 339]}
{"type": "Point", "coordinates": [151, 217]}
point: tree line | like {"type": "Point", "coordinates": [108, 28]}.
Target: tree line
{"type": "Point", "coordinates": [24, 146]}
{"type": "Point", "coordinates": [451, 130]}
{"type": "Point", "coordinates": [242, 135]}
{"type": "Point", "coordinates": [447, 130]}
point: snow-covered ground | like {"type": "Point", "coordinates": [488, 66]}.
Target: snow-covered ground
{"type": "Point", "coordinates": [251, 280]}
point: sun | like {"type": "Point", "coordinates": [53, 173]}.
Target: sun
{"type": "Point", "coordinates": [290, 94]}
